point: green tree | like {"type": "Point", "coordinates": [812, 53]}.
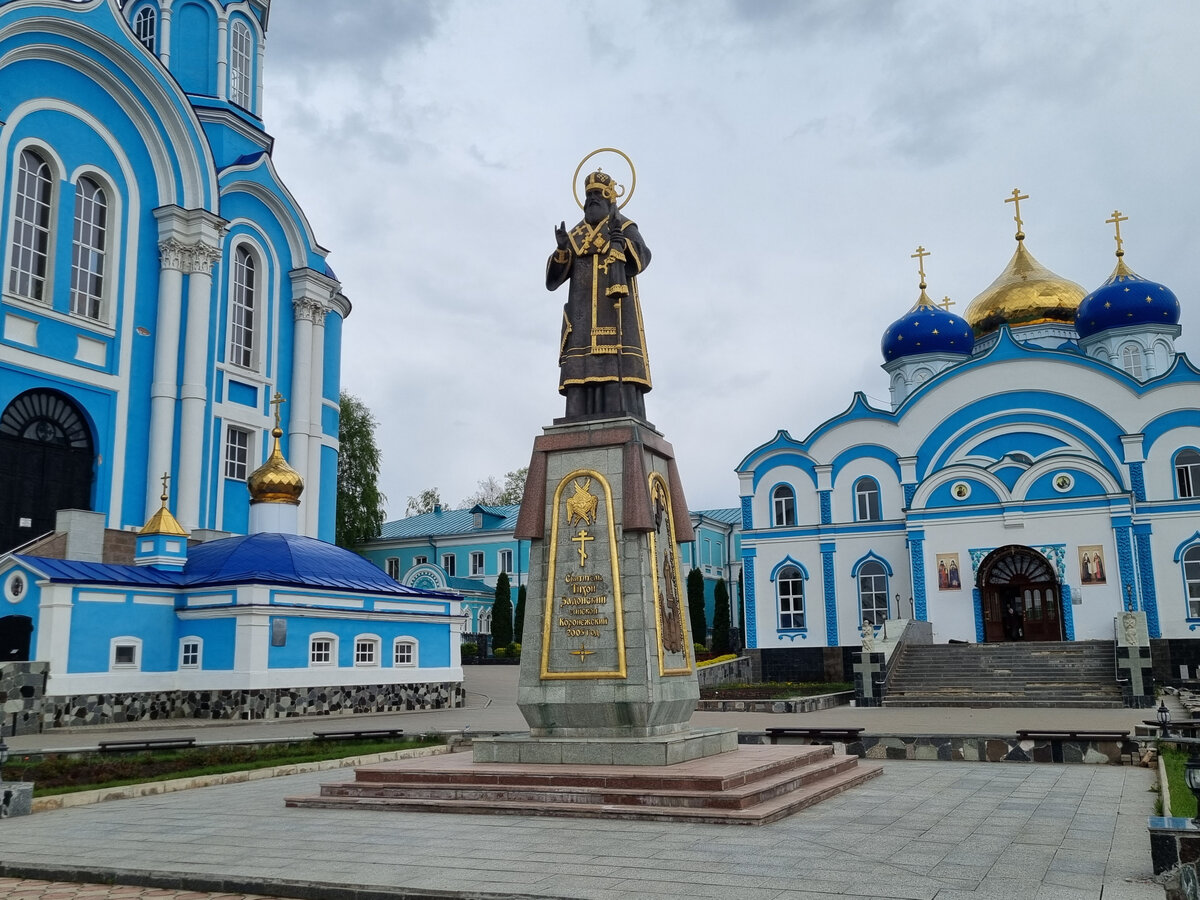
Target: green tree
{"type": "Point", "coordinates": [514, 486]}
{"type": "Point", "coordinates": [695, 595]}
{"type": "Point", "coordinates": [720, 634]}
{"type": "Point", "coordinates": [490, 492]}
{"type": "Point", "coordinates": [519, 624]}
{"type": "Point", "coordinates": [424, 502]}
{"type": "Point", "coordinates": [360, 511]}
{"type": "Point", "coordinates": [502, 614]}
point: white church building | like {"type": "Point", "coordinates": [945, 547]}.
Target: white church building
{"type": "Point", "coordinates": [1038, 473]}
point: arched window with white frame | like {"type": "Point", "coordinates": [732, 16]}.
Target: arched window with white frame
{"type": "Point", "coordinates": [366, 650]}
{"type": "Point", "coordinates": [789, 589]}
{"type": "Point", "coordinates": [866, 500]}
{"type": "Point", "coordinates": [872, 580]}
{"type": "Point", "coordinates": [241, 64]}
{"type": "Point", "coordinates": [242, 298]}
{"type": "Point", "coordinates": [1131, 360]}
{"type": "Point", "coordinates": [30, 246]}
{"type": "Point", "coordinates": [404, 652]}
{"type": "Point", "coordinates": [1191, 579]}
{"type": "Point", "coordinates": [1187, 473]}
{"type": "Point", "coordinates": [88, 249]}
{"type": "Point", "coordinates": [323, 649]}
{"type": "Point", "coordinates": [783, 506]}
{"type": "Point", "coordinates": [145, 28]}
{"type": "Point", "coordinates": [191, 652]}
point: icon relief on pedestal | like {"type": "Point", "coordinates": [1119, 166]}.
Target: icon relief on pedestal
{"type": "Point", "coordinates": [582, 632]}
{"type": "Point", "coordinates": [673, 655]}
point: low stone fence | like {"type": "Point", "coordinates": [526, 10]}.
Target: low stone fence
{"type": "Point", "coordinates": [732, 671]}
{"type": "Point", "coordinates": [275, 703]}
{"type": "Point", "coordinates": [973, 748]}
{"type": "Point", "coordinates": [789, 705]}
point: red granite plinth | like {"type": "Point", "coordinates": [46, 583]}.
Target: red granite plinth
{"type": "Point", "coordinates": [753, 785]}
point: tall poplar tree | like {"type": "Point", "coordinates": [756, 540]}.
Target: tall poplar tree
{"type": "Point", "coordinates": [519, 624]}
{"type": "Point", "coordinates": [502, 614]}
{"type": "Point", "coordinates": [360, 511]}
{"type": "Point", "coordinates": [695, 596]}
{"type": "Point", "coordinates": [720, 634]}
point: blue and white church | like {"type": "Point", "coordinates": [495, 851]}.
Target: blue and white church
{"type": "Point", "coordinates": [100, 626]}
{"type": "Point", "coordinates": [1036, 475]}
{"type": "Point", "coordinates": [160, 282]}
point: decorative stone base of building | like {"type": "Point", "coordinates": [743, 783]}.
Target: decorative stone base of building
{"type": "Point", "coordinates": [250, 705]}
{"type": "Point", "coordinates": [22, 686]}
{"type": "Point", "coordinates": [16, 798]}
{"type": "Point", "coordinates": [667, 750]}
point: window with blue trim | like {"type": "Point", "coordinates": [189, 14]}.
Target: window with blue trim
{"type": "Point", "coordinates": [873, 592]}
{"type": "Point", "coordinates": [145, 27]}
{"type": "Point", "coordinates": [240, 60]}
{"type": "Point", "coordinates": [790, 586]}
{"type": "Point", "coordinates": [866, 500]}
{"type": "Point", "coordinates": [1191, 579]}
{"type": "Point", "coordinates": [1187, 473]}
{"type": "Point", "coordinates": [783, 505]}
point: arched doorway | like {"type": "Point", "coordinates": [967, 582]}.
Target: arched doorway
{"type": "Point", "coordinates": [46, 462]}
{"type": "Point", "coordinates": [15, 634]}
{"type": "Point", "coordinates": [1021, 596]}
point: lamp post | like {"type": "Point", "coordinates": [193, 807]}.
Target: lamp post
{"type": "Point", "coordinates": [1191, 774]}
{"type": "Point", "coordinates": [3, 757]}
{"type": "Point", "coordinates": [1164, 718]}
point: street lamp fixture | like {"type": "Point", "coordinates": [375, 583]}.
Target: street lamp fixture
{"type": "Point", "coordinates": [1191, 774]}
{"type": "Point", "coordinates": [1164, 718]}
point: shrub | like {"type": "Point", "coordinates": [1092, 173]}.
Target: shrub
{"type": "Point", "coordinates": [500, 652]}
{"type": "Point", "coordinates": [469, 650]}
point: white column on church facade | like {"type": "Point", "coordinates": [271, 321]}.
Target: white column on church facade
{"type": "Point", "coordinates": [164, 386]}
{"type": "Point", "coordinates": [223, 57]}
{"type": "Point", "coordinates": [194, 390]}
{"type": "Point", "coordinates": [315, 418]}
{"type": "Point", "coordinates": [303, 309]}
{"type": "Point", "coordinates": [164, 33]}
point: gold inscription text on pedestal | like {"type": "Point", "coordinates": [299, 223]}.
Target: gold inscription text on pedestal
{"type": "Point", "coordinates": [583, 633]}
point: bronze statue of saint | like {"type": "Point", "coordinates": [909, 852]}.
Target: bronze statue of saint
{"type": "Point", "coordinates": [603, 367]}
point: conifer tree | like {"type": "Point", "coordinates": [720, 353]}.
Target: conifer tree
{"type": "Point", "coordinates": [720, 631]}
{"type": "Point", "coordinates": [502, 614]}
{"type": "Point", "coordinates": [695, 595]}
{"type": "Point", "coordinates": [360, 505]}
{"type": "Point", "coordinates": [519, 623]}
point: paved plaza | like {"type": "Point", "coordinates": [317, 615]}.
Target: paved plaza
{"type": "Point", "coordinates": [922, 831]}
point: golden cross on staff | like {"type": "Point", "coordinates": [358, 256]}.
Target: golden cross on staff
{"type": "Point", "coordinates": [920, 257]}
{"type": "Point", "coordinates": [581, 539]}
{"type": "Point", "coordinates": [165, 478]}
{"type": "Point", "coordinates": [583, 653]}
{"type": "Point", "coordinates": [946, 303]}
{"type": "Point", "coordinates": [277, 401]}
{"type": "Point", "coordinates": [1116, 220]}
{"type": "Point", "coordinates": [1015, 200]}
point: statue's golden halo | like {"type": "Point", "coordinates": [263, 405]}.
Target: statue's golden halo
{"type": "Point", "coordinates": [628, 195]}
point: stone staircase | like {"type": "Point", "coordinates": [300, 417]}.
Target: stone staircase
{"type": "Point", "coordinates": [1078, 674]}
{"type": "Point", "coordinates": [753, 785]}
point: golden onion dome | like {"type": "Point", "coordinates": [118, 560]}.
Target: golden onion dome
{"type": "Point", "coordinates": [275, 481]}
{"type": "Point", "coordinates": [1025, 293]}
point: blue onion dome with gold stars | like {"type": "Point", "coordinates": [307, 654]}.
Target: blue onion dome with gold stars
{"type": "Point", "coordinates": [1126, 299]}
{"type": "Point", "coordinates": [927, 327]}
{"type": "Point", "coordinates": [1025, 293]}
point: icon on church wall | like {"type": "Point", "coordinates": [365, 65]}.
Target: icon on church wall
{"type": "Point", "coordinates": [1091, 565]}
{"type": "Point", "coordinates": [947, 572]}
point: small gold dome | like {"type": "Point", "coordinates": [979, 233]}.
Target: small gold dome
{"type": "Point", "coordinates": [162, 522]}
{"type": "Point", "coordinates": [275, 481]}
{"type": "Point", "coordinates": [1025, 293]}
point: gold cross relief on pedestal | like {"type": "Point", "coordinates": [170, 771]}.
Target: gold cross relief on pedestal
{"type": "Point", "coordinates": [581, 539]}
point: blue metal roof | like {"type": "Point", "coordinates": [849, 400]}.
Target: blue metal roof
{"type": "Point", "coordinates": [281, 559]}
{"type": "Point", "coordinates": [730, 516]}
{"type": "Point", "coordinates": [444, 522]}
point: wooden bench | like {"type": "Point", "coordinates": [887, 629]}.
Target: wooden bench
{"type": "Point", "coordinates": [816, 734]}
{"type": "Point", "coordinates": [358, 735]}
{"type": "Point", "coordinates": [1056, 738]}
{"type": "Point", "coordinates": [178, 743]}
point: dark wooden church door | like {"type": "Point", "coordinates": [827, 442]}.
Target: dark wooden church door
{"type": "Point", "coordinates": [46, 464]}
{"type": "Point", "coordinates": [1021, 596]}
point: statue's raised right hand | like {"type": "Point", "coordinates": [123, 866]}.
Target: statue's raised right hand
{"type": "Point", "coordinates": [560, 235]}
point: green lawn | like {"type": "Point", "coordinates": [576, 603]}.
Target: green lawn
{"type": "Point", "coordinates": [61, 774]}
{"type": "Point", "coordinates": [1183, 801]}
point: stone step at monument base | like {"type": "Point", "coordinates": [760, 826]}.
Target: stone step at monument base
{"type": "Point", "coordinates": [752, 785]}
{"type": "Point", "coordinates": [660, 750]}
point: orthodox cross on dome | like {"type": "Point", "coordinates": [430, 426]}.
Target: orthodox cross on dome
{"type": "Point", "coordinates": [165, 478]}
{"type": "Point", "coordinates": [946, 303]}
{"type": "Point", "coordinates": [1116, 220]}
{"type": "Point", "coordinates": [919, 256]}
{"type": "Point", "coordinates": [277, 401]}
{"type": "Point", "coordinates": [1015, 200]}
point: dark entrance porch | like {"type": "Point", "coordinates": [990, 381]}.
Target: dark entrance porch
{"type": "Point", "coordinates": [1021, 596]}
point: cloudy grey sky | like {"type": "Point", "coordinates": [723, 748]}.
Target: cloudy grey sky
{"type": "Point", "coordinates": [790, 157]}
